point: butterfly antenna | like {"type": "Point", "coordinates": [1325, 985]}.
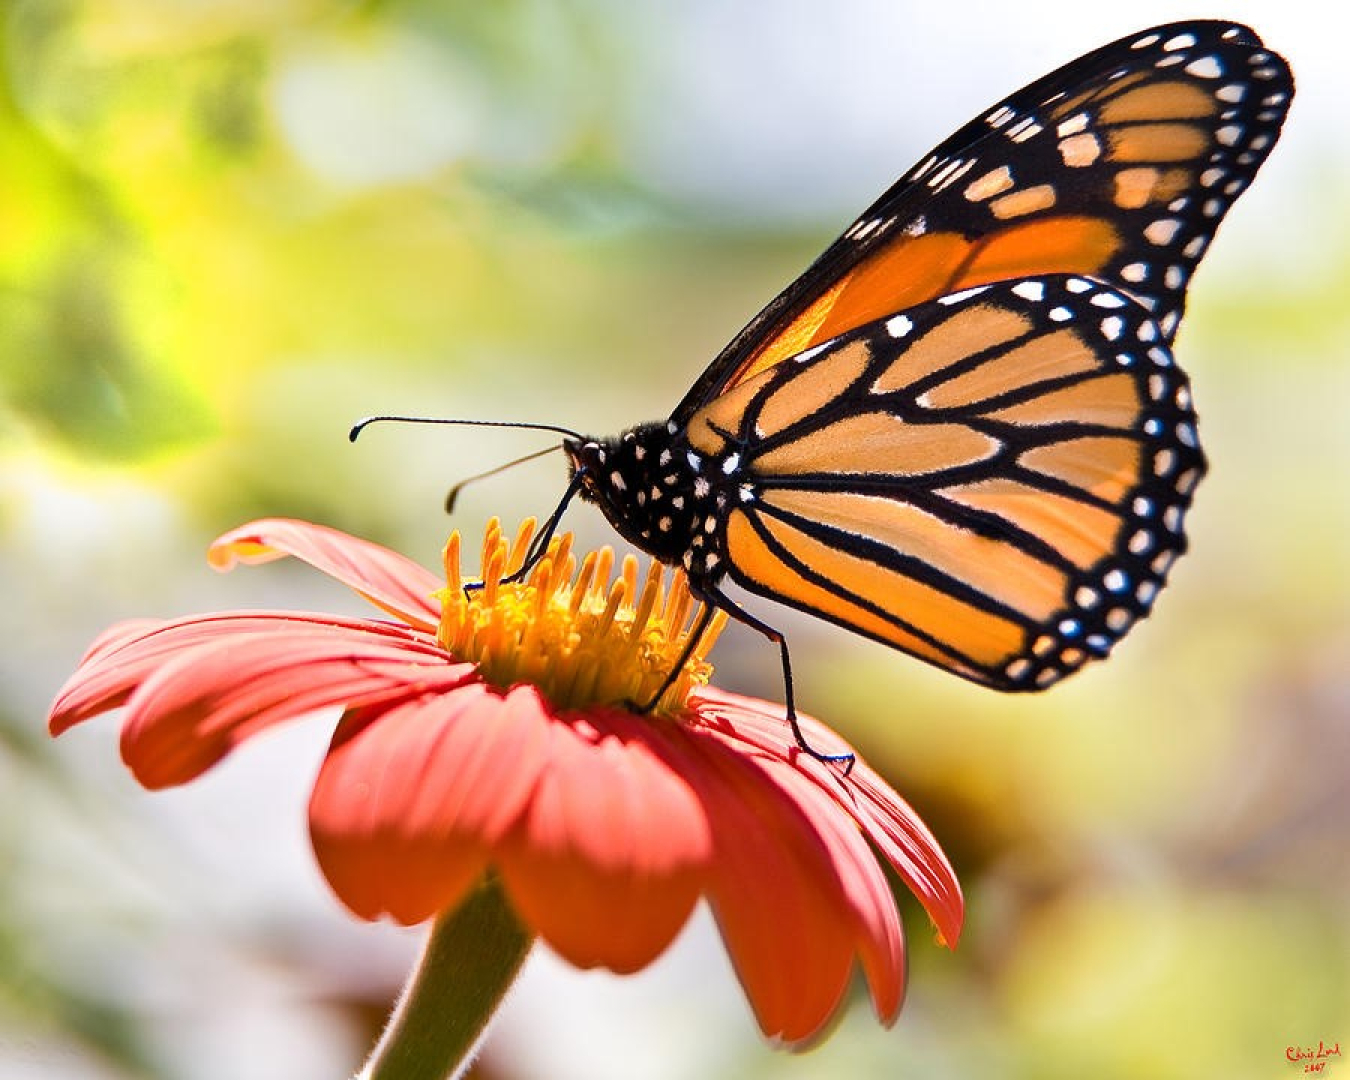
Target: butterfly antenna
{"type": "Point", "coordinates": [541, 539]}
{"type": "Point", "coordinates": [539, 545]}
{"type": "Point", "coordinates": [361, 425]}
{"type": "Point", "coordinates": [453, 494]}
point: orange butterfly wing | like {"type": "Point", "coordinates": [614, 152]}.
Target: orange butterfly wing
{"type": "Point", "coordinates": [961, 431]}
{"type": "Point", "coordinates": [1120, 165]}
{"type": "Point", "coordinates": [994, 482]}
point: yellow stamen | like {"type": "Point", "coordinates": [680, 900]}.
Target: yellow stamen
{"type": "Point", "coordinates": [582, 639]}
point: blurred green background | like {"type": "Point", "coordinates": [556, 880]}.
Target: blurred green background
{"type": "Point", "coordinates": [229, 228]}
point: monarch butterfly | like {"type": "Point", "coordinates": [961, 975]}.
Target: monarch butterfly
{"type": "Point", "coordinates": [961, 432]}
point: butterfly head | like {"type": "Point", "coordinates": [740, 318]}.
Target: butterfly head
{"type": "Point", "coordinates": [587, 461]}
{"type": "Point", "coordinates": [648, 487]}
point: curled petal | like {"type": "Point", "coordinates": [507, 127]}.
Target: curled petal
{"type": "Point", "coordinates": [878, 933]}
{"type": "Point", "coordinates": [130, 652]}
{"type": "Point", "coordinates": [194, 689]}
{"type": "Point", "coordinates": [775, 894]}
{"type": "Point", "coordinates": [195, 709]}
{"type": "Point", "coordinates": [911, 848]}
{"type": "Point", "coordinates": [385, 578]}
{"type": "Point", "coordinates": [608, 861]}
{"type": "Point", "coordinates": [889, 822]}
{"type": "Point", "coordinates": [116, 636]}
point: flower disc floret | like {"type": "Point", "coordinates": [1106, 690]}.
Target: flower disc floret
{"type": "Point", "coordinates": [569, 630]}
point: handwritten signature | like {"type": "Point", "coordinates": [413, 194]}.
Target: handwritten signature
{"type": "Point", "coordinates": [1314, 1058]}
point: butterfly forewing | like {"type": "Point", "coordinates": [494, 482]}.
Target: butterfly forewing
{"type": "Point", "coordinates": [1119, 165]}
{"type": "Point", "coordinates": [961, 431]}
{"type": "Point", "coordinates": [994, 481]}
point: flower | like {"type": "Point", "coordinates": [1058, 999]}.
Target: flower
{"type": "Point", "coordinates": [487, 733]}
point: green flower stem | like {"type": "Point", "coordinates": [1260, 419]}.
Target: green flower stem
{"type": "Point", "coordinates": [471, 959]}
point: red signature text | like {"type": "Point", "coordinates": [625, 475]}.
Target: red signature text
{"type": "Point", "coordinates": [1314, 1059]}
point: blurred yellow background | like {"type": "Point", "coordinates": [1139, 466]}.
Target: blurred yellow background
{"type": "Point", "coordinates": [228, 229]}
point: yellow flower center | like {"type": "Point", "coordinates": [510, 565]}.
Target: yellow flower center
{"type": "Point", "coordinates": [579, 636]}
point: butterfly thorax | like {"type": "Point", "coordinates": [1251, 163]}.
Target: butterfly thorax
{"type": "Point", "coordinates": [659, 494]}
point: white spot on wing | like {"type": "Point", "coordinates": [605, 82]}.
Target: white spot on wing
{"type": "Point", "coordinates": [899, 326]}
{"type": "Point", "coordinates": [964, 294]}
{"type": "Point", "coordinates": [1079, 151]}
{"type": "Point", "coordinates": [1073, 125]}
{"type": "Point", "coordinates": [1018, 668]}
{"type": "Point", "coordinates": [953, 170]}
{"type": "Point", "coordinates": [807, 354]}
{"type": "Point", "coordinates": [1162, 231]}
{"type": "Point", "coordinates": [925, 168]}
{"type": "Point", "coordinates": [999, 116]}
{"type": "Point", "coordinates": [1206, 67]}
{"type": "Point", "coordinates": [990, 184]}
{"type": "Point", "coordinates": [863, 228]}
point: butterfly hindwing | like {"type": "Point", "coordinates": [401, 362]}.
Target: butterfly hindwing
{"type": "Point", "coordinates": [1120, 165]}
{"type": "Point", "coordinates": [994, 481]}
{"type": "Point", "coordinates": [961, 431]}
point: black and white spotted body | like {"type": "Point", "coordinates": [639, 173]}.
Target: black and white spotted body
{"type": "Point", "coordinates": [661, 495]}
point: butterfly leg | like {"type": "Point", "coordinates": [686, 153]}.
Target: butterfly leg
{"type": "Point", "coordinates": [715, 598]}
{"type": "Point", "coordinates": [540, 543]}
{"type": "Point", "coordinates": [690, 644]}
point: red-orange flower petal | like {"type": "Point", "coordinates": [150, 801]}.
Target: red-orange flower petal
{"type": "Point", "coordinates": [411, 799]}
{"type": "Point", "coordinates": [194, 689]}
{"type": "Point", "coordinates": [777, 907]}
{"type": "Point", "coordinates": [387, 579]}
{"type": "Point", "coordinates": [129, 652]}
{"type": "Point", "coordinates": [889, 822]}
{"type": "Point", "coordinates": [611, 828]}
{"type": "Point", "coordinates": [798, 896]}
